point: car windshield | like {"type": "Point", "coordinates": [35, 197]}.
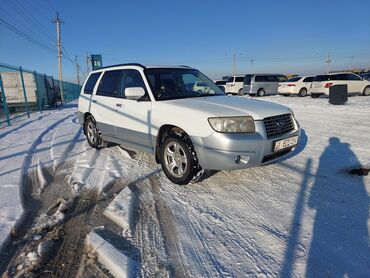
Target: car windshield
{"type": "Point", "coordinates": [176, 83]}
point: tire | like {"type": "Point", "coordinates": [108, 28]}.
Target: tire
{"type": "Point", "coordinates": [315, 95]}
{"type": "Point", "coordinates": [366, 91]}
{"type": "Point", "coordinates": [240, 92]}
{"type": "Point", "coordinates": [302, 92]}
{"type": "Point", "coordinates": [260, 92]}
{"type": "Point", "coordinates": [178, 159]}
{"type": "Point", "coordinates": [92, 132]}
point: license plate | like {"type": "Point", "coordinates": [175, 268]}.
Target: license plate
{"type": "Point", "coordinates": [285, 143]}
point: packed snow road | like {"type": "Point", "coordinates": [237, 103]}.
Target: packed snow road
{"type": "Point", "coordinates": [304, 216]}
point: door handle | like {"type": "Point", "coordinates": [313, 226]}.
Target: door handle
{"type": "Point", "coordinates": [119, 105]}
{"type": "Point", "coordinates": [94, 101]}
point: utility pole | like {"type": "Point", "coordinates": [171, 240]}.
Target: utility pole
{"type": "Point", "coordinates": [58, 21]}
{"type": "Point", "coordinates": [352, 57]}
{"type": "Point", "coordinates": [252, 62]}
{"type": "Point", "coordinates": [328, 61]}
{"type": "Point", "coordinates": [77, 70]}
{"type": "Point", "coordinates": [87, 63]}
{"type": "Point", "coordinates": [234, 63]}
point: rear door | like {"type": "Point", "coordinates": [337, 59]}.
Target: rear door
{"type": "Point", "coordinates": [355, 82]}
{"type": "Point", "coordinates": [103, 102]}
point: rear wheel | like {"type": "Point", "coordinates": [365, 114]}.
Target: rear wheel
{"type": "Point", "coordinates": [302, 92]}
{"type": "Point", "coordinates": [240, 92]}
{"type": "Point", "coordinates": [366, 91]}
{"type": "Point", "coordinates": [178, 159]}
{"type": "Point", "coordinates": [92, 133]}
{"type": "Point", "coordinates": [261, 92]}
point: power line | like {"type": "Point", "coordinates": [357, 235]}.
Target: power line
{"type": "Point", "coordinates": [24, 35]}
{"type": "Point", "coordinates": [51, 6]}
{"type": "Point", "coordinates": [25, 14]}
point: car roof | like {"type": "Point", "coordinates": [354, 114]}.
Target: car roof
{"type": "Point", "coordinates": [142, 66]}
{"type": "Point", "coordinates": [341, 72]}
{"type": "Point", "coordinates": [265, 74]}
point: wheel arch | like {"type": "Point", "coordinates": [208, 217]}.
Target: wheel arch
{"type": "Point", "coordinates": [163, 131]}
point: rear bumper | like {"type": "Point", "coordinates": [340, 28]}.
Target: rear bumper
{"type": "Point", "coordinates": [221, 151]}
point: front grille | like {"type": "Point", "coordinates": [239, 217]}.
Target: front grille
{"type": "Point", "coordinates": [278, 125]}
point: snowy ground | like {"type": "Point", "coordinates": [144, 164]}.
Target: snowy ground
{"type": "Point", "coordinates": [304, 216]}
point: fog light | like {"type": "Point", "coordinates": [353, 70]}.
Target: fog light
{"type": "Point", "coordinates": [241, 159]}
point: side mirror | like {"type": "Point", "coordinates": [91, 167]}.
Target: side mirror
{"type": "Point", "coordinates": [134, 92]}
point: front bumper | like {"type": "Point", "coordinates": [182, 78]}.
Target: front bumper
{"type": "Point", "coordinates": [230, 151]}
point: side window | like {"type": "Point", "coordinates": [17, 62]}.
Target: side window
{"type": "Point", "coordinates": [132, 78]}
{"type": "Point", "coordinates": [90, 84]}
{"type": "Point", "coordinates": [271, 78]}
{"type": "Point", "coordinates": [308, 79]}
{"type": "Point", "coordinates": [239, 79]}
{"type": "Point", "coordinates": [353, 77]}
{"type": "Point", "coordinates": [110, 84]}
{"type": "Point", "coordinates": [260, 78]}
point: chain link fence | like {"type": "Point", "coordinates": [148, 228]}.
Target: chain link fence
{"type": "Point", "coordinates": [25, 91]}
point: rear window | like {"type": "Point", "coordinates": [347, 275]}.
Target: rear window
{"type": "Point", "coordinates": [90, 84]}
{"type": "Point", "coordinates": [319, 78]}
{"type": "Point", "coordinates": [239, 79]}
{"type": "Point", "coordinates": [247, 79]}
{"type": "Point", "coordinates": [294, 79]}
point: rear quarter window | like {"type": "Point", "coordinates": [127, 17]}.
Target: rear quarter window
{"type": "Point", "coordinates": [308, 79]}
{"type": "Point", "coordinates": [90, 83]}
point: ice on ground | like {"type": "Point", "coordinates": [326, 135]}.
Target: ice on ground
{"type": "Point", "coordinates": [120, 210]}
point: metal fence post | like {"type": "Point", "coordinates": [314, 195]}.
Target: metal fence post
{"type": "Point", "coordinates": [24, 92]}
{"type": "Point", "coordinates": [3, 98]}
{"type": "Point", "coordinates": [37, 90]}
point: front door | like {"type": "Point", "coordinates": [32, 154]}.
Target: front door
{"type": "Point", "coordinates": [133, 122]}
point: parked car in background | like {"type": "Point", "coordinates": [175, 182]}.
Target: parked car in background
{"type": "Point", "coordinates": [234, 84]}
{"type": "Point", "coordinates": [355, 84]}
{"type": "Point", "coordinates": [365, 75]}
{"type": "Point", "coordinates": [221, 84]}
{"type": "Point", "coordinates": [262, 84]}
{"type": "Point", "coordinates": [150, 108]}
{"type": "Point", "coordinates": [299, 85]}
{"type": "Point", "coordinates": [200, 87]}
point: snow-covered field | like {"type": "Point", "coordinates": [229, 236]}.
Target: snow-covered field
{"type": "Point", "coordinates": [303, 216]}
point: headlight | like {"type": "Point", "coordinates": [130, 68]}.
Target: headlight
{"type": "Point", "coordinates": [232, 124]}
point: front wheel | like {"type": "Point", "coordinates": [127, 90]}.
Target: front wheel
{"type": "Point", "coordinates": [366, 91]}
{"type": "Point", "coordinates": [178, 159]}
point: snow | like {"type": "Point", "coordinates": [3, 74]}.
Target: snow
{"type": "Point", "coordinates": [303, 216]}
{"type": "Point", "coordinates": [118, 263]}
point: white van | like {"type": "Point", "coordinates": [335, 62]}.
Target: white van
{"type": "Point", "coordinates": [234, 84]}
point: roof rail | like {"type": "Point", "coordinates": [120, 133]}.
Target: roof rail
{"type": "Point", "coordinates": [185, 66]}
{"type": "Point", "coordinates": [126, 64]}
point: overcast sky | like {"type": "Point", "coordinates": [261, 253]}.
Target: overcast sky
{"type": "Point", "coordinates": [280, 36]}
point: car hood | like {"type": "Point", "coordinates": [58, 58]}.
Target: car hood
{"type": "Point", "coordinates": [228, 106]}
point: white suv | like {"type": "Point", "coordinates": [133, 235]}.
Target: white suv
{"type": "Point", "coordinates": [156, 109]}
{"type": "Point", "coordinates": [355, 84]}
